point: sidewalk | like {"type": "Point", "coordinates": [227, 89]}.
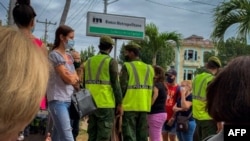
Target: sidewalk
{"type": "Point", "coordinates": [83, 136]}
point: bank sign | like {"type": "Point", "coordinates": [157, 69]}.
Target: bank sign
{"type": "Point", "coordinates": [116, 26]}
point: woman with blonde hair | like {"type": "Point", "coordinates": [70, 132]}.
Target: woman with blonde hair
{"type": "Point", "coordinates": [183, 107]}
{"type": "Point", "coordinates": [23, 81]}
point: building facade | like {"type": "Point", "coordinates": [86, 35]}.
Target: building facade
{"type": "Point", "coordinates": [190, 55]}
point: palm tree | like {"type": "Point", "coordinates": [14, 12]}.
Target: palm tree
{"type": "Point", "coordinates": [158, 41]}
{"type": "Point", "coordinates": [228, 14]}
{"type": "Point", "coordinates": [65, 12]}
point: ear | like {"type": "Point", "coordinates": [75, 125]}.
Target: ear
{"type": "Point", "coordinates": [61, 37]}
{"type": "Point", "coordinates": [32, 22]}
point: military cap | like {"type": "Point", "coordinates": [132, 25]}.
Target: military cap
{"type": "Point", "coordinates": [106, 39]}
{"type": "Point", "coordinates": [132, 45]}
{"type": "Point", "coordinates": [215, 60]}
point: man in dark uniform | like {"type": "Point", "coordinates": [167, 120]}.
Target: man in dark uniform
{"type": "Point", "coordinates": [101, 79]}
{"type": "Point", "coordinates": [136, 81]}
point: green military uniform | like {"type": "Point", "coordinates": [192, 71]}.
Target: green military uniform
{"type": "Point", "coordinates": [101, 78]}
{"type": "Point", "coordinates": [205, 125]}
{"type": "Point", "coordinates": [137, 84]}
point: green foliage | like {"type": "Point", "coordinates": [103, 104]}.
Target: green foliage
{"type": "Point", "coordinates": [233, 47]}
{"type": "Point", "coordinates": [87, 53]}
{"type": "Point", "coordinates": [207, 55]}
{"type": "Point", "coordinates": [156, 41]}
{"type": "Point", "coordinates": [200, 70]}
{"type": "Point", "coordinates": [156, 48]}
{"type": "Point", "coordinates": [121, 58]}
{"type": "Point", "coordinates": [229, 13]}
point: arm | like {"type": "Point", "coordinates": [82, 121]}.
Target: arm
{"type": "Point", "coordinates": [155, 95]}
{"type": "Point", "coordinates": [185, 104]}
{"type": "Point", "coordinates": [113, 70]}
{"type": "Point", "coordinates": [66, 75]}
{"type": "Point", "coordinates": [58, 63]}
{"type": "Point", "coordinates": [124, 80]}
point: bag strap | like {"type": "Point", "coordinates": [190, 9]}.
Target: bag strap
{"type": "Point", "coordinates": [178, 92]}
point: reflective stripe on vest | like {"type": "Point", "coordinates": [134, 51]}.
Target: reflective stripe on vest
{"type": "Point", "coordinates": [97, 81]}
{"type": "Point", "coordinates": [140, 86]}
{"type": "Point", "coordinates": [199, 97]}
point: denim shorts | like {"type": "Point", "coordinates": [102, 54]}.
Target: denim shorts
{"type": "Point", "coordinates": [169, 129]}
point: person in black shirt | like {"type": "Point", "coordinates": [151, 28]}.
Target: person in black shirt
{"type": "Point", "coordinates": [157, 116]}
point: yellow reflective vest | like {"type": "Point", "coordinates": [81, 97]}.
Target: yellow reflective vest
{"type": "Point", "coordinates": [140, 85]}
{"type": "Point", "coordinates": [97, 80]}
{"type": "Point", "coordinates": [200, 83]}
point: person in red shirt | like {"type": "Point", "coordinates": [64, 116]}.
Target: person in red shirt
{"type": "Point", "coordinates": [173, 90]}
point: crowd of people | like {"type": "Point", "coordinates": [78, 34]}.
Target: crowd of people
{"type": "Point", "coordinates": [148, 98]}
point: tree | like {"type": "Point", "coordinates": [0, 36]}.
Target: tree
{"type": "Point", "coordinates": [233, 47]}
{"type": "Point", "coordinates": [65, 12]}
{"type": "Point", "coordinates": [156, 41]}
{"type": "Point", "coordinates": [228, 14]}
{"type": "Point", "coordinates": [87, 53]}
{"type": "Point", "coordinates": [155, 47]}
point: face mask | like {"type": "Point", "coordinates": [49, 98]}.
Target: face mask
{"type": "Point", "coordinates": [170, 80]}
{"type": "Point", "coordinates": [126, 58]}
{"type": "Point", "coordinates": [70, 44]}
{"type": "Point", "coordinates": [77, 64]}
{"type": "Point", "coordinates": [32, 30]}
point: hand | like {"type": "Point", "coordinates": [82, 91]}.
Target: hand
{"type": "Point", "coordinates": [119, 110]}
{"type": "Point", "coordinates": [183, 91]}
{"type": "Point", "coordinates": [170, 121]}
{"type": "Point", "coordinates": [175, 109]}
{"type": "Point", "coordinates": [219, 126]}
{"type": "Point", "coordinates": [76, 86]}
{"type": "Point", "coordinates": [48, 138]}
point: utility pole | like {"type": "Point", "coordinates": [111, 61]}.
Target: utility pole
{"type": "Point", "coordinates": [46, 28]}
{"type": "Point", "coordinates": [106, 3]}
{"type": "Point", "coordinates": [105, 6]}
{"type": "Point", "coordinates": [10, 16]}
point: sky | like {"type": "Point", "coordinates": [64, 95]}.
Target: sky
{"type": "Point", "coordinates": [187, 17]}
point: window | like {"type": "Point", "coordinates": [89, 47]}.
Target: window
{"type": "Point", "coordinates": [190, 55]}
{"type": "Point", "coordinates": [188, 74]}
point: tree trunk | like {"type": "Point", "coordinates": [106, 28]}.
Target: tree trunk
{"type": "Point", "coordinates": [154, 59]}
{"type": "Point", "coordinates": [65, 12]}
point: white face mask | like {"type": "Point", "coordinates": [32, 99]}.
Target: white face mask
{"type": "Point", "coordinates": [70, 44]}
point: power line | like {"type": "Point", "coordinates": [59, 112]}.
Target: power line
{"type": "Point", "coordinates": [44, 9]}
{"type": "Point", "coordinates": [79, 11]}
{"type": "Point", "coordinates": [3, 6]}
{"type": "Point", "coordinates": [202, 3]}
{"type": "Point", "coordinates": [46, 28]}
{"type": "Point", "coordinates": [91, 5]}
{"type": "Point", "coordinates": [178, 7]}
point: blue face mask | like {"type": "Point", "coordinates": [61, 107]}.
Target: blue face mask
{"type": "Point", "coordinates": [70, 44]}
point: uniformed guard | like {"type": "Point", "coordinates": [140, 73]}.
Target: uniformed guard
{"type": "Point", "coordinates": [205, 125]}
{"type": "Point", "coordinates": [101, 79]}
{"type": "Point", "coordinates": [136, 81]}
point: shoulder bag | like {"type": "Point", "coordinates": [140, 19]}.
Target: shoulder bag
{"type": "Point", "coordinates": [182, 122]}
{"type": "Point", "coordinates": [82, 104]}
